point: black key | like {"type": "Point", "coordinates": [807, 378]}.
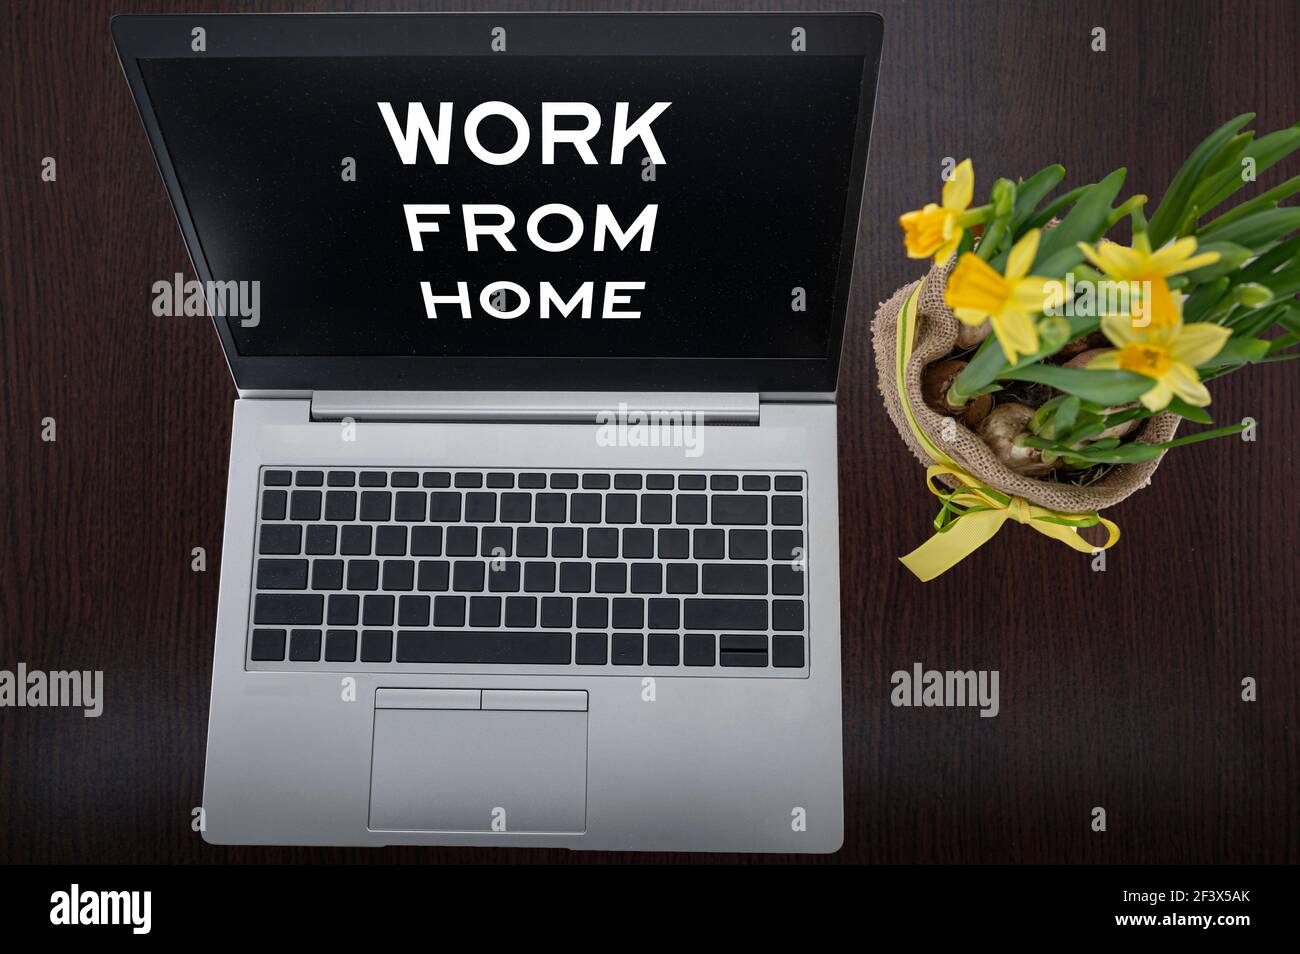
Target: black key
{"type": "Point", "coordinates": [662, 650]}
{"type": "Point", "coordinates": [755, 482]}
{"type": "Point", "coordinates": [462, 541]}
{"type": "Point", "coordinates": [748, 544]}
{"type": "Point", "coordinates": [518, 647]}
{"type": "Point", "coordinates": [485, 611]}
{"type": "Point", "coordinates": [434, 575]}
{"type": "Point", "coordinates": [521, 612]}
{"type": "Point", "coordinates": [405, 478]}
{"type": "Point", "coordinates": [690, 482]}
{"type": "Point", "coordinates": [734, 578]}
{"type": "Point", "coordinates": [321, 539]}
{"type": "Point", "coordinates": [564, 481]}
{"type": "Point", "coordinates": [629, 613]}
{"type": "Point", "coordinates": [557, 612]}
{"type": "Point", "coordinates": [532, 481]}
{"type": "Point", "coordinates": [376, 645]}
{"type": "Point", "coordinates": [426, 541]}
{"type": "Point", "coordinates": [787, 652]}
{"type": "Point", "coordinates": [665, 614]}
{"type": "Point", "coordinates": [282, 574]}
{"type": "Point", "coordinates": [399, 574]}
{"type": "Point", "coordinates": [602, 542]}
{"type": "Point", "coordinates": [449, 611]}
{"type": "Point", "coordinates": [656, 508]}
{"type": "Point", "coordinates": [376, 505]}
{"type": "Point", "coordinates": [440, 479]}
{"type": "Point", "coordinates": [682, 578]}
{"type": "Point", "coordinates": [341, 478]}
{"type": "Point", "coordinates": [288, 609]}
{"type": "Point", "coordinates": [725, 614]}
{"type": "Point", "coordinates": [444, 507]}
{"type": "Point", "coordinates": [363, 574]}
{"type": "Point", "coordinates": [467, 576]}
{"type": "Point", "coordinates": [345, 610]}
{"type": "Point", "coordinates": [469, 480]}
{"type": "Point", "coordinates": [787, 615]}
{"type": "Point", "coordinates": [549, 508]}
{"type": "Point", "coordinates": [539, 577]}
{"type": "Point", "coordinates": [789, 483]}
{"type": "Point", "coordinates": [268, 644]}
{"type": "Point", "coordinates": [566, 542]}
{"type": "Point", "coordinates": [646, 577]}
{"type": "Point", "coordinates": [674, 544]}
{"type": "Point", "coordinates": [273, 504]}
{"type": "Point", "coordinates": [610, 577]}
{"type": "Point", "coordinates": [377, 610]}
{"type": "Point", "coordinates": [276, 478]}
{"type": "Point", "coordinates": [697, 649]}
{"type": "Point", "coordinates": [627, 481]}
{"type": "Point", "coordinates": [787, 581]}
{"type": "Point", "coordinates": [710, 545]}
{"type": "Point", "coordinates": [341, 644]}
{"type": "Point", "coordinates": [592, 650]}
{"type": "Point", "coordinates": [620, 508]}
{"type": "Point", "coordinates": [327, 575]}
{"type": "Point", "coordinates": [595, 481]}
{"type": "Point", "coordinates": [503, 576]}
{"type": "Point", "coordinates": [280, 538]}
{"type": "Point", "coordinates": [410, 506]}
{"type": "Point", "coordinates": [481, 506]}
{"type": "Point", "coordinates": [374, 478]}
{"type": "Point", "coordinates": [584, 508]}
{"type": "Point", "coordinates": [787, 511]}
{"type": "Point", "coordinates": [496, 542]}
{"type": "Point", "coordinates": [531, 542]}
{"type": "Point", "coordinates": [305, 505]}
{"type": "Point", "coordinates": [304, 645]}
{"type": "Point", "coordinates": [734, 508]}
{"type": "Point", "coordinates": [575, 577]}
{"type": "Point", "coordinates": [723, 482]}
{"type": "Point", "coordinates": [784, 543]}
{"type": "Point", "coordinates": [660, 482]}
{"type": "Point", "coordinates": [638, 544]}
{"type": "Point", "coordinates": [692, 508]}
{"type": "Point", "coordinates": [355, 541]}
{"type": "Point", "coordinates": [516, 508]}
{"type": "Point", "coordinates": [628, 649]}
{"type": "Point", "coordinates": [593, 612]}
{"type": "Point", "coordinates": [413, 611]}
{"type": "Point", "coordinates": [499, 479]}
{"type": "Point", "coordinates": [340, 505]}
{"type": "Point", "coordinates": [390, 541]}
{"type": "Point", "coordinates": [310, 478]}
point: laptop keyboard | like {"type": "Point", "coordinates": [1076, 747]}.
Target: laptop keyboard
{"type": "Point", "coordinates": [448, 570]}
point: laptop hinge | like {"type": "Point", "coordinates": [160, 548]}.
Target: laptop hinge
{"type": "Point", "coordinates": [533, 407]}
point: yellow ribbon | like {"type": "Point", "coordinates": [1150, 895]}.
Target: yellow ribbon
{"type": "Point", "coordinates": [972, 514]}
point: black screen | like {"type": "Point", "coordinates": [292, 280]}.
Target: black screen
{"type": "Point", "coordinates": [751, 199]}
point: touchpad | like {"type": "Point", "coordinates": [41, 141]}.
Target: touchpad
{"type": "Point", "coordinates": [471, 760]}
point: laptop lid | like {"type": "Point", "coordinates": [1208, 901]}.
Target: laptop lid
{"type": "Point", "coordinates": [515, 201]}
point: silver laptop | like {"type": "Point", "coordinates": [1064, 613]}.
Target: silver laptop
{"type": "Point", "coordinates": [535, 320]}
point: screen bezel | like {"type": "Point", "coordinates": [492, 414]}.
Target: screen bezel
{"type": "Point", "coordinates": [450, 34]}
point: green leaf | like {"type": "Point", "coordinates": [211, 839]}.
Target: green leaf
{"type": "Point", "coordinates": [1190, 411]}
{"type": "Point", "coordinates": [1104, 387]}
{"type": "Point", "coordinates": [1265, 200]}
{"type": "Point", "coordinates": [1178, 196]}
{"type": "Point", "coordinates": [1269, 261]}
{"type": "Point", "coordinates": [1031, 192]}
{"type": "Point", "coordinates": [1267, 151]}
{"type": "Point", "coordinates": [1058, 250]}
{"type": "Point", "coordinates": [1203, 299]}
{"type": "Point", "coordinates": [1256, 230]}
{"type": "Point", "coordinates": [1231, 257]}
{"type": "Point", "coordinates": [1053, 208]}
{"type": "Point", "coordinates": [1238, 351]}
{"type": "Point", "coordinates": [1202, 436]}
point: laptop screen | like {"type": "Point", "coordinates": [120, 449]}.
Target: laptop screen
{"type": "Point", "coordinates": [651, 207]}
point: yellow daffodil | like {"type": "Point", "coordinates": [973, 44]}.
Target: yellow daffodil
{"type": "Point", "coordinates": [976, 291]}
{"type": "Point", "coordinates": [1140, 264]}
{"type": "Point", "coordinates": [1168, 355]}
{"type": "Point", "coordinates": [934, 229]}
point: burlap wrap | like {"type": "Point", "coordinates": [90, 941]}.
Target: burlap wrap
{"type": "Point", "coordinates": [936, 333]}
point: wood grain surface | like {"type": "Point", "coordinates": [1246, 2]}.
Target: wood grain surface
{"type": "Point", "coordinates": [1120, 689]}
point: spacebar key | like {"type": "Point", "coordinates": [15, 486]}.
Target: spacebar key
{"type": "Point", "coordinates": [481, 646]}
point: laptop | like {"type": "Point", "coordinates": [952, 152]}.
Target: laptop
{"type": "Point", "coordinates": [535, 322]}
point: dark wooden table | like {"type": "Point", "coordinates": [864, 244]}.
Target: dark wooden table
{"type": "Point", "coordinates": [1120, 689]}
